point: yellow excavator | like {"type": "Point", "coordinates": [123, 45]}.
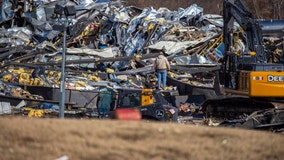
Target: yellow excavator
{"type": "Point", "coordinates": [245, 73]}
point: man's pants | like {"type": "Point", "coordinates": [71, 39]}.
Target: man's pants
{"type": "Point", "coordinates": [162, 77]}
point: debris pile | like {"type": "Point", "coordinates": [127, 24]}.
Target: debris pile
{"type": "Point", "coordinates": [102, 37]}
{"type": "Point", "coordinates": [105, 43]}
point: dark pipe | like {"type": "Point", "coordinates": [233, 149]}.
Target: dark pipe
{"type": "Point", "coordinates": [273, 28]}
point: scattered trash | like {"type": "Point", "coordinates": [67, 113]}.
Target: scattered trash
{"type": "Point", "coordinates": [5, 108]}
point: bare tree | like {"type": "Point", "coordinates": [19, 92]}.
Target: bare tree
{"type": "Point", "coordinates": [278, 8]}
{"type": "Point", "coordinates": [256, 9]}
{"type": "Point", "coordinates": [261, 9]}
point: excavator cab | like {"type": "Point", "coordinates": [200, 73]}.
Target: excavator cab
{"type": "Point", "coordinates": [135, 97]}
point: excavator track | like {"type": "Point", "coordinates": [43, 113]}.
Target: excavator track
{"type": "Point", "coordinates": [233, 107]}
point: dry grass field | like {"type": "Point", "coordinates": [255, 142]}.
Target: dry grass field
{"type": "Point", "coordinates": [73, 139]}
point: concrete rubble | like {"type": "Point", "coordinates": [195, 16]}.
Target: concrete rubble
{"type": "Point", "coordinates": [108, 44]}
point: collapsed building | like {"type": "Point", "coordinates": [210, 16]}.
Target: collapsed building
{"type": "Point", "coordinates": [101, 38]}
{"type": "Point", "coordinates": [105, 43]}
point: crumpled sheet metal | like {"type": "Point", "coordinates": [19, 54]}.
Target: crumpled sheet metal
{"type": "Point", "coordinates": [106, 30]}
{"type": "Point", "coordinates": [173, 47]}
{"type": "Point", "coordinates": [105, 52]}
{"type": "Point", "coordinates": [212, 19]}
{"type": "Point", "coordinates": [121, 16]}
{"type": "Point", "coordinates": [15, 36]}
{"type": "Point", "coordinates": [189, 13]}
{"type": "Point", "coordinates": [192, 59]}
{"type": "Point", "coordinates": [7, 12]}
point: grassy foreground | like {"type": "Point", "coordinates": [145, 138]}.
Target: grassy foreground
{"type": "Point", "coordinates": [50, 139]}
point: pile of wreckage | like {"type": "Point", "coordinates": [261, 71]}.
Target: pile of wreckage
{"type": "Point", "coordinates": [105, 44]}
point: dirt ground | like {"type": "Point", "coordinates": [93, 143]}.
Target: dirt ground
{"type": "Point", "coordinates": [85, 139]}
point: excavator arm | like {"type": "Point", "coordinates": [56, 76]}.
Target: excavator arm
{"type": "Point", "coordinates": [235, 10]}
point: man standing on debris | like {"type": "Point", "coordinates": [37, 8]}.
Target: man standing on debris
{"type": "Point", "coordinates": [162, 66]}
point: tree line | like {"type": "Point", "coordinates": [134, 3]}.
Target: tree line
{"type": "Point", "coordinates": [261, 9]}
